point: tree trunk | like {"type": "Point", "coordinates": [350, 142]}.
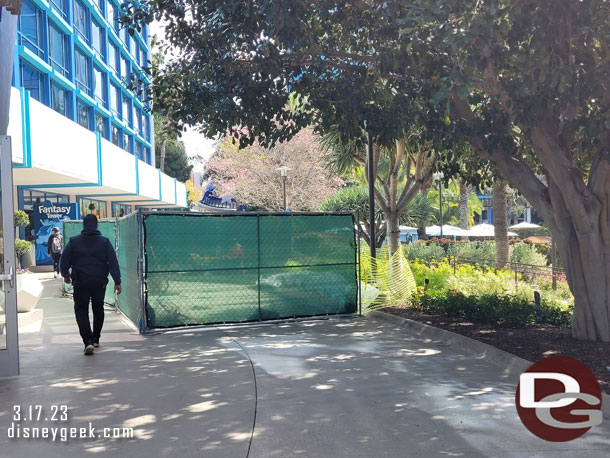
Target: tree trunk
{"type": "Point", "coordinates": [464, 191]}
{"type": "Point", "coordinates": [500, 220]}
{"type": "Point", "coordinates": [577, 212]}
{"type": "Point", "coordinates": [587, 272]}
{"type": "Point", "coordinates": [162, 158]}
{"type": "Point", "coordinates": [393, 231]}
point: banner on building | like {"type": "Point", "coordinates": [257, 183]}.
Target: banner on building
{"type": "Point", "coordinates": [48, 215]}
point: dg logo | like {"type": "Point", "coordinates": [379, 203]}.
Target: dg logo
{"type": "Point", "coordinates": [559, 399]}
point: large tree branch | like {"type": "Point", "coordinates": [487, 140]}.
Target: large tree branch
{"type": "Point", "coordinates": [400, 154]}
{"type": "Point", "coordinates": [555, 158]}
{"type": "Point", "coordinates": [511, 168]}
{"type": "Point", "coordinates": [579, 200]}
{"type": "Point", "coordinates": [423, 175]}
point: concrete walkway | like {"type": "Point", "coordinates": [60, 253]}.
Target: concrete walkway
{"type": "Point", "coordinates": [337, 388]}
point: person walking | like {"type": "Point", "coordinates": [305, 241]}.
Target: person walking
{"type": "Point", "coordinates": [86, 262]}
{"type": "Point", "coordinates": [55, 245]}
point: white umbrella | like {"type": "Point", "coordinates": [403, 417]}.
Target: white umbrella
{"type": "Point", "coordinates": [447, 230]}
{"type": "Point", "coordinates": [483, 230]}
{"type": "Point", "coordinates": [524, 225]}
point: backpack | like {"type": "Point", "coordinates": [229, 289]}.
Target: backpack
{"type": "Point", "coordinates": [56, 244]}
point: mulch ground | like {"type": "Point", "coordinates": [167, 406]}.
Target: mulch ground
{"type": "Point", "coordinates": [531, 343]}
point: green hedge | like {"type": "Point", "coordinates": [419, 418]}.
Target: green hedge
{"type": "Point", "coordinates": [491, 309]}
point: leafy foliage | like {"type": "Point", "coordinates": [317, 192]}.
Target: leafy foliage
{"type": "Point", "coordinates": [193, 194]}
{"type": "Point", "coordinates": [491, 309]}
{"type": "Point", "coordinates": [251, 175]}
{"type": "Point", "coordinates": [524, 82]}
{"type": "Point", "coordinates": [525, 253]}
{"type": "Point", "coordinates": [22, 247]}
{"type": "Point", "coordinates": [486, 295]}
{"type": "Point", "coordinates": [21, 219]}
{"type": "Point", "coordinates": [176, 161]}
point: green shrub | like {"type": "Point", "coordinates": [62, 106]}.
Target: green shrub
{"type": "Point", "coordinates": [480, 251]}
{"type": "Point", "coordinates": [22, 247]}
{"type": "Point", "coordinates": [525, 253]}
{"type": "Point", "coordinates": [490, 309]}
{"type": "Point", "coordinates": [425, 252]}
{"type": "Point", "coordinates": [21, 219]}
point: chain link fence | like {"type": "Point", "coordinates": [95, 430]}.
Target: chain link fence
{"type": "Point", "coordinates": [526, 272]}
{"type": "Point", "coordinates": [129, 255]}
{"type": "Point", "coordinates": [185, 269]}
{"type": "Point", "coordinates": [205, 268]}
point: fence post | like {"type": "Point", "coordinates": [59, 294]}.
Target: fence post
{"type": "Point", "coordinates": [538, 308]}
{"type": "Point", "coordinates": [142, 325]}
{"type": "Point", "coordinates": [454, 264]}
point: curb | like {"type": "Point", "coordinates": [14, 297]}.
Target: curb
{"type": "Point", "coordinates": [510, 363]}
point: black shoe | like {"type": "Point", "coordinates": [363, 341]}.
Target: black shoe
{"type": "Point", "coordinates": [96, 343]}
{"type": "Point", "coordinates": [88, 349]}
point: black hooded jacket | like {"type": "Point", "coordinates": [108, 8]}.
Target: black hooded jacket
{"type": "Point", "coordinates": [91, 258]}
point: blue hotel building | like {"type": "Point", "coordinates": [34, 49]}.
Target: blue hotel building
{"type": "Point", "coordinates": [79, 132]}
{"type": "Point", "coordinates": [73, 56]}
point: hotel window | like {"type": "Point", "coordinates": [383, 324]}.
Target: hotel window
{"type": "Point", "coordinates": [31, 29]}
{"type": "Point", "coordinates": [120, 210]}
{"type": "Point", "coordinates": [83, 72]}
{"type": "Point", "coordinates": [81, 23]}
{"type": "Point", "coordinates": [114, 100]}
{"type": "Point", "coordinates": [58, 51]}
{"type": "Point", "coordinates": [146, 134]}
{"type": "Point", "coordinates": [116, 135]}
{"type": "Point", "coordinates": [97, 38]}
{"type": "Point", "coordinates": [139, 118]}
{"type": "Point", "coordinates": [101, 125]}
{"type": "Point", "coordinates": [83, 114]}
{"type": "Point", "coordinates": [99, 4]}
{"type": "Point", "coordinates": [110, 13]}
{"type": "Point", "coordinates": [92, 206]}
{"type": "Point", "coordinates": [32, 80]}
{"type": "Point", "coordinates": [126, 109]}
{"type": "Point", "coordinates": [99, 86]}
{"type": "Point", "coordinates": [145, 92]}
{"type": "Point", "coordinates": [127, 39]}
{"type": "Point", "coordinates": [60, 100]}
{"type": "Point", "coordinates": [117, 17]}
{"type": "Point", "coordinates": [61, 6]}
{"type": "Point", "coordinates": [143, 61]}
{"type": "Point", "coordinates": [112, 57]}
{"type": "Point", "coordinates": [125, 69]}
{"type": "Point", "coordinates": [126, 141]}
{"type": "Point", "coordinates": [142, 154]}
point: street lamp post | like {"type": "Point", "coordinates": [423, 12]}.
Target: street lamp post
{"type": "Point", "coordinates": [284, 174]}
{"type": "Point", "coordinates": [439, 176]}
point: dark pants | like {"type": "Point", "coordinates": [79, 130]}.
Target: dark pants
{"type": "Point", "coordinates": [82, 295]}
{"type": "Point", "coordinates": [56, 257]}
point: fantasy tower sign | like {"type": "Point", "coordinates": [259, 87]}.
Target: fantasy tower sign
{"type": "Point", "coordinates": [48, 215]}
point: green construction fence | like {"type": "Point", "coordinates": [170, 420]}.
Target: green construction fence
{"type": "Point", "coordinates": [187, 269]}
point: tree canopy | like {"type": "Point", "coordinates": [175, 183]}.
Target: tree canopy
{"type": "Point", "coordinates": [251, 174]}
{"type": "Point", "coordinates": [524, 82]}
